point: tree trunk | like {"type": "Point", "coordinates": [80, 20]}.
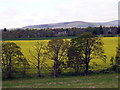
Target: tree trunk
{"type": "Point", "coordinates": [77, 70]}
{"type": "Point", "coordinates": [55, 69]}
{"type": "Point", "coordinates": [24, 71]}
{"type": "Point", "coordinates": [56, 65]}
{"type": "Point", "coordinates": [9, 69]}
{"type": "Point", "coordinates": [38, 69]}
{"type": "Point", "coordinates": [38, 66]}
{"type": "Point", "coordinates": [38, 72]}
{"type": "Point", "coordinates": [86, 71]}
{"type": "Point", "coordinates": [86, 58]}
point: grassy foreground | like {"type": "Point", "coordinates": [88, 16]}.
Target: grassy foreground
{"type": "Point", "coordinates": [90, 81]}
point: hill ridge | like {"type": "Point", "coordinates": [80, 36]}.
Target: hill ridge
{"type": "Point", "coordinates": [73, 24]}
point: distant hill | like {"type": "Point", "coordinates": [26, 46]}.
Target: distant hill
{"type": "Point", "coordinates": [73, 24]}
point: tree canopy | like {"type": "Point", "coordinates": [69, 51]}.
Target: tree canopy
{"type": "Point", "coordinates": [88, 46]}
{"type": "Point", "coordinates": [38, 59]}
{"type": "Point", "coordinates": [12, 59]}
{"type": "Point", "coordinates": [57, 51]}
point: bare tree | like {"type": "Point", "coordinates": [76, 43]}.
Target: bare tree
{"type": "Point", "coordinates": [37, 53]}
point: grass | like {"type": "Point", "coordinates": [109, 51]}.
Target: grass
{"type": "Point", "coordinates": [91, 81]}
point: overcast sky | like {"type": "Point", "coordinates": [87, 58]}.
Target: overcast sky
{"type": "Point", "coordinates": [19, 13]}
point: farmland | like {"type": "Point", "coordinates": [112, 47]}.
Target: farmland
{"type": "Point", "coordinates": [101, 80]}
{"type": "Point", "coordinates": [110, 44]}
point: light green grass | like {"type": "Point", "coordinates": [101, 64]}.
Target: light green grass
{"type": "Point", "coordinates": [91, 81]}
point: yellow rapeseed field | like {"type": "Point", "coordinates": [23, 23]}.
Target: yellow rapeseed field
{"type": "Point", "coordinates": [110, 44]}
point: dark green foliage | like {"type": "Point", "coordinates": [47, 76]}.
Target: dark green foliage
{"type": "Point", "coordinates": [109, 32]}
{"type": "Point", "coordinates": [118, 30]}
{"type": "Point", "coordinates": [57, 51]}
{"type": "Point", "coordinates": [5, 30]}
{"type": "Point", "coordinates": [101, 29]}
{"type": "Point", "coordinates": [109, 35]}
{"type": "Point", "coordinates": [59, 32]}
{"type": "Point", "coordinates": [43, 38]}
{"type": "Point", "coordinates": [112, 59]}
{"type": "Point", "coordinates": [89, 29]}
{"type": "Point", "coordinates": [117, 58]}
{"type": "Point", "coordinates": [75, 60]}
{"type": "Point", "coordinates": [88, 47]}
{"type": "Point", "coordinates": [94, 30]}
{"type": "Point", "coordinates": [13, 61]}
{"type": "Point", "coordinates": [118, 55]}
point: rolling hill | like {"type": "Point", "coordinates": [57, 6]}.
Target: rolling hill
{"type": "Point", "coordinates": [73, 24]}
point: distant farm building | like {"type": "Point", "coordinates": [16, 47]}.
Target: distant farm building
{"type": "Point", "coordinates": [62, 33]}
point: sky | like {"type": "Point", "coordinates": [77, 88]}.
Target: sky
{"type": "Point", "coordinates": [20, 13]}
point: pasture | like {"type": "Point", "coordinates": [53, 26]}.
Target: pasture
{"type": "Point", "coordinates": [90, 81]}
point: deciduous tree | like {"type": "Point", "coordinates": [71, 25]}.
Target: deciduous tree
{"type": "Point", "coordinates": [57, 51]}
{"type": "Point", "coordinates": [89, 47]}
{"type": "Point", "coordinates": [12, 59]}
{"type": "Point", "coordinates": [75, 60]}
{"type": "Point", "coordinates": [118, 55]}
{"type": "Point", "coordinates": [37, 53]}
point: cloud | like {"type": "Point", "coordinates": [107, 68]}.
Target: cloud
{"type": "Point", "coordinates": [26, 1]}
{"type": "Point", "coordinates": [19, 13]}
{"type": "Point", "coordinates": [85, 10]}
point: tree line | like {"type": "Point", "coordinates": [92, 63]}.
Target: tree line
{"type": "Point", "coordinates": [76, 54]}
{"type": "Point", "coordinates": [37, 33]}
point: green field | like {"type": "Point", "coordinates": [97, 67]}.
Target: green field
{"type": "Point", "coordinates": [110, 44]}
{"type": "Point", "coordinates": [90, 81]}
